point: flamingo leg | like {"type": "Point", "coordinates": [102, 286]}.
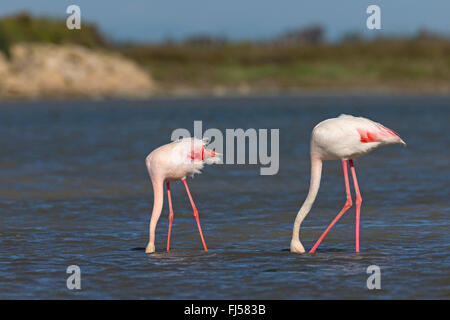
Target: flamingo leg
{"type": "Point", "coordinates": [347, 205]}
{"type": "Point", "coordinates": [195, 214]}
{"type": "Point", "coordinates": [358, 202]}
{"type": "Point", "coordinates": [169, 197]}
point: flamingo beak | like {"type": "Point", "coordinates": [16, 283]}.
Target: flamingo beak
{"type": "Point", "coordinates": [208, 153]}
{"type": "Point", "coordinates": [216, 154]}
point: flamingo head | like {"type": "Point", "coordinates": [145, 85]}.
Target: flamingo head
{"type": "Point", "coordinates": [210, 156]}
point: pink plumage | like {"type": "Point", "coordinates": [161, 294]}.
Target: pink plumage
{"type": "Point", "coordinates": [343, 138]}
{"type": "Point", "coordinates": [348, 137]}
{"type": "Point", "coordinates": [171, 162]}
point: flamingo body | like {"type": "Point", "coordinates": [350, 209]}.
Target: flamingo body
{"type": "Point", "coordinates": [348, 137]}
{"type": "Point", "coordinates": [171, 162]}
{"type": "Point", "coordinates": [179, 159]}
{"type": "Point", "coordinates": [343, 138]}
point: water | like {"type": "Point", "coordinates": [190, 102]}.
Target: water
{"type": "Point", "coordinates": [74, 190]}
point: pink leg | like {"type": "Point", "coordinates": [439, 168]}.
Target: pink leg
{"type": "Point", "coordinates": [358, 202]}
{"type": "Point", "coordinates": [347, 205]}
{"type": "Point", "coordinates": [169, 197]}
{"type": "Point", "coordinates": [195, 214]}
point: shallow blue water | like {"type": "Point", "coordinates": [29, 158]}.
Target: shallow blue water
{"type": "Point", "coordinates": [74, 190]}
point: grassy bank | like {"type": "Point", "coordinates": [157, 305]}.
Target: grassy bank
{"type": "Point", "coordinates": [25, 28]}
{"type": "Point", "coordinates": [386, 65]}
{"type": "Point", "coordinates": [298, 61]}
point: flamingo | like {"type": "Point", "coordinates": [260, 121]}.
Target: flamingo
{"type": "Point", "coordinates": [343, 138]}
{"type": "Point", "coordinates": [171, 162]}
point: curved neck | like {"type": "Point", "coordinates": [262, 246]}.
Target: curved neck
{"type": "Point", "coordinates": [314, 184]}
{"type": "Point", "coordinates": [158, 191]}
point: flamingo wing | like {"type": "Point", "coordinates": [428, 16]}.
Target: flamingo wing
{"type": "Point", "coordinates": [379, 134]}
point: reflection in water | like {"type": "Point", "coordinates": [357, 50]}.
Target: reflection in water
{"type": "Point", "coordinates": [74, 190]}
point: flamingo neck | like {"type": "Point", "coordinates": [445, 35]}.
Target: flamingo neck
{"type": "Point", "coordinates": [314, 185]}
{"type": "Point", "coordinates": [158, 199]}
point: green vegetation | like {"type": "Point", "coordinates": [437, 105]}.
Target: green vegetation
{"type": "Point", "coordinates": [296, 60]}
{"type": "Point", "coordinates": [25, 28]}
{"type": "Point", "coordinates": [4, 43]}
{"type": "Point", "coordinates": [384, 64]}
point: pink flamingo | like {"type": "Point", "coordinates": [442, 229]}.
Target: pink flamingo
{"type": "Point", "coordinates": [170, 162]}
{"type": "Point", "coordinates": [343, 138]}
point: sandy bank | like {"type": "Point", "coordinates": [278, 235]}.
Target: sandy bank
{"type": "Point", "coordinates": [68, 71]}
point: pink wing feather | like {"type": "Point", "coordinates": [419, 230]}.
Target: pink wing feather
{"type": "Point", "coordinates": [376, 135]}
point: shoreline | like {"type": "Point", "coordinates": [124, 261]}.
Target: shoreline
{"type": "Point", "coordinates": [254, 96]}
{"type": "Point", "coordinates": [185, 92]}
